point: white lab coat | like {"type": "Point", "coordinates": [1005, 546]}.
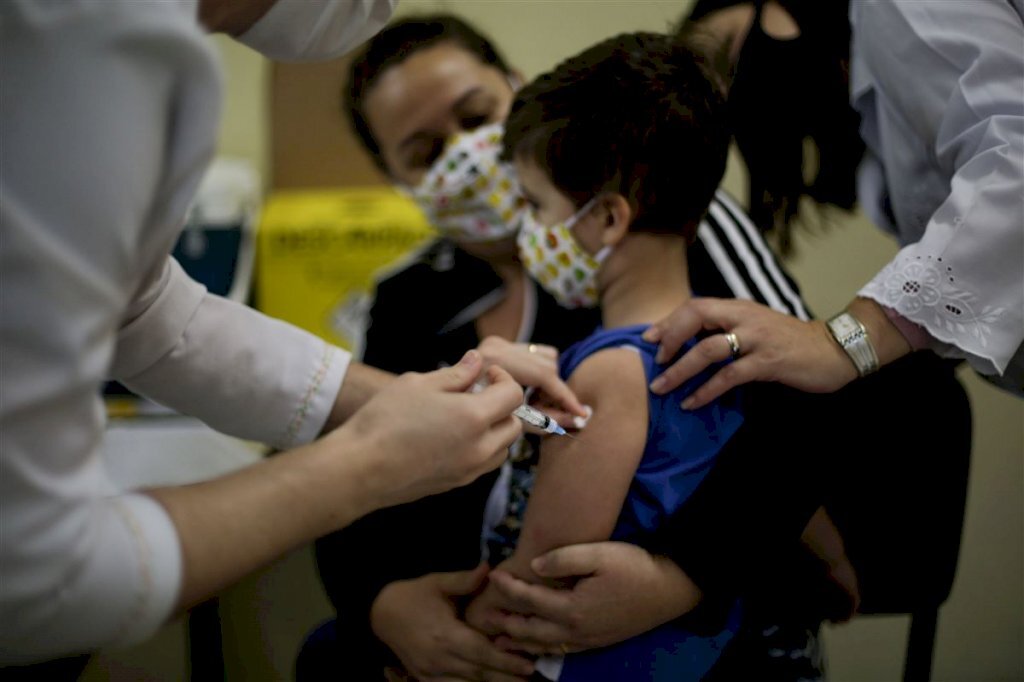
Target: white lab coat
{"type": "Point", "coordinates": [940, 89]}
{"type": "Point", "coordinates": [108, 116]}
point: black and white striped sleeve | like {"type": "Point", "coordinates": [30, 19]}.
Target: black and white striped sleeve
{"type": "Point", "coordinates": [731, 259]}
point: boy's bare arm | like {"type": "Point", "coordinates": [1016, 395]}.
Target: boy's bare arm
{"type": "Point", "coordinates": [582, 482]}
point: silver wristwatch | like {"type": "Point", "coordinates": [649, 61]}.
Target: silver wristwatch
{"type": "Point", "coordinates": [852, 337]}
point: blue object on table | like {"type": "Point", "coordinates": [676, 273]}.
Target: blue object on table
{"type": "Point", "coordinates": [210, 254]}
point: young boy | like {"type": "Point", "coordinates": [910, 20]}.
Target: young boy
{"type": "Point", "coordinates": [619, 151]}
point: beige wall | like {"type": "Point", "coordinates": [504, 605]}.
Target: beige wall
{"type": "Point", "coordinates": [981, 633]}
{"type": "Point", "coordinates": [245, 120]}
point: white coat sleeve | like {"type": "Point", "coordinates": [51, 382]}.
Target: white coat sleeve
{"type": "Point", "coordinates": [241, 372]}
{"type": "Point", "coordinates": [953, 74]}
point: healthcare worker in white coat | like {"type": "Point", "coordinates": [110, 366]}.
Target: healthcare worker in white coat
{"type": "Point", "coordinates": [939, 87]}
{"type": "Point", "coordinates": [108, 115]}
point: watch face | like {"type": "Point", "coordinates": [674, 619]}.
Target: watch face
{"type": "Point", "coordinates": [850, 334]}
{"type": "Point", "coordinates": [843, 326]}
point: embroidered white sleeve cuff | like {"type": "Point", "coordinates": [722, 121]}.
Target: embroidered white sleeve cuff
{"type": "Point", "coordinates": [925, 290]}
{"type": "Point", "coordinates": [315, 407]}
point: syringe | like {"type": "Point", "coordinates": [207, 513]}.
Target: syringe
{"type": "Point", "coordinates": [535, 417]}
{"type": "Point", "coordinates": [530, 415]}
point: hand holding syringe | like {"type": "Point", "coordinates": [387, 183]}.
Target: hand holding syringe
{"type": "Point", "coordinates": [536, 365]}
{"type": "Point", "coordinates": [535, 418]}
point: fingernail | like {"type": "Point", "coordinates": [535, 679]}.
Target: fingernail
{"type": "Point", "coordinates": [652, 334]}
{"type": "Point", "coordinates": [470, 358]}
{"type": "Point", "coordinates": [537, 565]}
{"type": "Point", "coordinates": [658, 385]}
{"type": "Point", "coordinates": [581, 421]}
{"type": "Point", "coordinates": [688, 403]}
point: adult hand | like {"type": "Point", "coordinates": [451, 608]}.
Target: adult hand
{"type": "Point", "coordinates": [772, 347]}
{"type": "Point", "coordinates": [479, 613]}
{"type": "Point", "coordinates": [535, 365]}
{"type": "Point", "coordinates": [418, 620]}
{"type": "Point", "coordinates": [620, 591]}
{"type": "Point", "coordinates": [424, 434]}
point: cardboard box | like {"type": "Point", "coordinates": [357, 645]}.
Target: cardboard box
{"type": "Point", "coordinates": [318, 251]}
{"type": "Point", "coordinates": [311, 142]}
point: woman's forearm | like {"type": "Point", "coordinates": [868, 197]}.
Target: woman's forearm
{"type": "Point", "coordinates": [233, 525]}
{"type": "Point", "coordinates": [361, 383]}
{"type": "Point", "coordinates": [886, 338]}
{"type": "Point", "coordinates": [402, 446]}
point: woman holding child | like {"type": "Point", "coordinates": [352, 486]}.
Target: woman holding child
{"type": "Point", "coordinates": [423, 96]}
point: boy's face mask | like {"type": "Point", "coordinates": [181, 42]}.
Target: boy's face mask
{"type": "Point", "coordinates": [554, 258]}
{"type": "Point", "coordinates": [311, 30]}
{"type": "Point", "coordinates": [469, 194]}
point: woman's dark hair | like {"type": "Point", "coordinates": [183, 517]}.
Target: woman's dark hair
{"type": "Point", "coordinates": [638, 114]}
{"type": "Point", "coordinates": [790, 113]}
{"type": "Point", "coordinates": [394, 45]}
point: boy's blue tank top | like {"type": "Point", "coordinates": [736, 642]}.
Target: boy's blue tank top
{"type": "Point", "coordinates": [681, 448]}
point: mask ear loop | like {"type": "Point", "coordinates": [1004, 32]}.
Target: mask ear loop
{"type": "Point", "coordinates": [602, 255]}
{"type": "Point", "coordinates": [584, 210]}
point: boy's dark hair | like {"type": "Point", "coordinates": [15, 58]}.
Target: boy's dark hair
{"type": "Point", "coordinates": [394, 45]}
{"type": "Point", "coordinates": [638, 114]}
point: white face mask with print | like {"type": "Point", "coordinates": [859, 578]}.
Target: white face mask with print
{"type": "Point", "coordinates": [554, 257]}
{"type": "Point", "coordinates": [469, 194]}
{"type": "Point", "coordinates": [315, 30]}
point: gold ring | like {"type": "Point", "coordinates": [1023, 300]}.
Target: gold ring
{"type": "Point", "coordinates": [532, 348]}
{"type": "Point", "coordinates": [565, 648]}
{"type": "Point", "coordinates": [734, 344]}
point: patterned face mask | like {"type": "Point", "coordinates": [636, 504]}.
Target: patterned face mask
{"type": "Point", "coordinates": [554, 258]}
{"type": "Point", "coordinates": [469, 194]}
